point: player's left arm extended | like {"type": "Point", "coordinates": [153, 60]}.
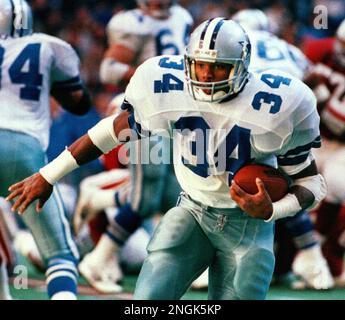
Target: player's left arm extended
{"type": "Point", "coordinates": [306, 191]}
{"type": "Point", "coordinates": [100, 139]}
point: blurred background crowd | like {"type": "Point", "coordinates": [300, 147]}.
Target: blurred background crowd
{"type": "Point", "coordinates": [82, 24]}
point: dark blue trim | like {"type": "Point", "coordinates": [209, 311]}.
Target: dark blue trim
{"type": "Point", "coordinates": [215, 33]}
{"type": "Point", "coordinates": [13, 18]}
{"type": "Point", "coordinates": [126, 106]}
{"type": "Point", "coordinates": [75, 273]}
{"type": "Point", "coordinates": [293, 161]}
{"type": "Point", "coordinates": [138, 16]}
{"type": "Point", "coordinates": [74, 87]}
{"type": "Point", "coordinates": [66, 82]}
{"type": "Point", "coordinates": [21, 32]}
{"type": "Point", "coordinates": [314, 144]}
{"type": "Point", "coordinates": [128, 219]}
{"type": "Point", "coordinates": [117, 200]}
{"type": "Point", "coordinates": [61, 284]}
{"type": "Point", "coordinates": [203, 33]}
{"type": "Point", "coordinates": [137, 127]}
{"type": "Point", "coordinates": [62, 258]}
{"type": "Point", "coordinates": [115, 239]}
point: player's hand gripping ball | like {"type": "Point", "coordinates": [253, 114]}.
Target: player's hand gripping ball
{"type": "Point", "coordinates": [275, 182]}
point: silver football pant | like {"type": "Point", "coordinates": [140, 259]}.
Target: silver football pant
{"type": "Point", "coordinates": [190, 237]}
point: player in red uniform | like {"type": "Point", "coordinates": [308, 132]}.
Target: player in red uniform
{"type": "Point", "coordinates": [328, 80]}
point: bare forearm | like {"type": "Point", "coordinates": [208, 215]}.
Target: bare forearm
{"type": "Point", "coordinates": [83, 150]}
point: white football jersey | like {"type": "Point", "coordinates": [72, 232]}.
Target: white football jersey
{"type": "Point", "coordinates": [149, 37]}
{"type": "Point", "coordinates": [270, 52]}
{"type": "Point", "coordinates": [273, 120]}
{"type": "Point", "coordinates": [30, 67]}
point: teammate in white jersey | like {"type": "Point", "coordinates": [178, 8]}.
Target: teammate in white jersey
{"type": "Point", "coordinates": [221, 117]}
{"type": "Point", "coordinates": [156, 27]}
{"type": "Point", "coordinates": [268, 51]}
{"type": "Point", "coordinates": [33, 67]}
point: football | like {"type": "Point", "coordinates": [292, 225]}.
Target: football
{"type": "Point", "coordinates": [275, 182]}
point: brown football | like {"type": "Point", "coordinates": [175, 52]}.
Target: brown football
{"type": "Point", "coordinates": [275, 182]}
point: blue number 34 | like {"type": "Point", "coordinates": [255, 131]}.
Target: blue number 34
{"type": "Point", "coordinates": [169, 82]}
{"type": "Point", "coordinates": [274, 82]}
{"type": "Point", "coordinates": [31, 79]}
{"type": "Point", "coordinates": [237, 138]}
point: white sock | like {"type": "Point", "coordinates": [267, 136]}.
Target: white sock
{"type": "Point", "coordinates": [64, 295]}
{"type": "Point", "coordinates": [313, 252]}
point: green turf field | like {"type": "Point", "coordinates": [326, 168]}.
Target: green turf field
{"type": "Point", "coordinates": [36, 290]}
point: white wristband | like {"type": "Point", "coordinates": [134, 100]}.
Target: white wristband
{"type": "Point", "coordinates": [59, 167]}
{"type": "Point", "coordinates": [285, 207]}
{"type": "Point", "coordinates": [316, 185]}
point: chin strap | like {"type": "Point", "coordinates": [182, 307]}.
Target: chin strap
{"type": "Point", "coordinates": [202, 96]}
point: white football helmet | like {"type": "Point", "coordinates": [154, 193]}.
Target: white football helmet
{"type": "Point", "coordinates": [159, 9]}
{"type": "Point", "coordinates": [218, 40]}
{"type": "Point", "coordinates": [15, 18]}
{"type": "Point", "coordinates": [252, 19]}
{"type": "Point", "coordinates": [339, 45]}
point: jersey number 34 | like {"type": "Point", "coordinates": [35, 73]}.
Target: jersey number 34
{"type": "Point", "coordinates": [235, 150]}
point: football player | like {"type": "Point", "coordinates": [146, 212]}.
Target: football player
{"type": "Point", "coordinates": [156, 27]}
{"type": "Point", "coordinates": [268, 51]}
{"type": "Point", "coordinates": [221, 117]}
{"type": "Point", "coordinates": [33, 66]}
{"type": "Point", "coordinates": [328, 79]}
